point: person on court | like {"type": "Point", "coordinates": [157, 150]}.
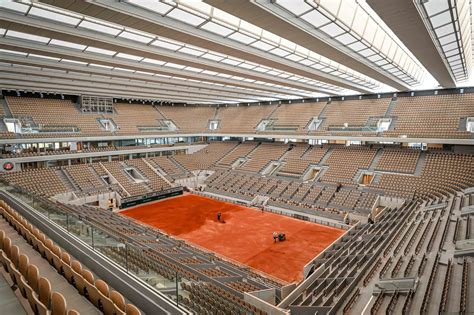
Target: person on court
{"type": "Point", "coordinates": [219, 216]}
{"type": "Point", "coordinates": [275, 236]}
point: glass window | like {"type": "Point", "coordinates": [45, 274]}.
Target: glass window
{"type": "Point", "coordinates": [217, 28]}
{"type": "Point", "coordinates": [315, 18]}
{"type": "Point", "coordinates": [100, 51]}
{"type": "Point", "coordinates": [127, 56]}
{"type": "Point", "coordinates": [240, 37]}
{"type": "Point", "coordinates": [166, 44]}
{"type": "Point", "coordinates": [295, 7]}
{"type": "Point", "coordinates": [136, 37]}
{"type": "Point", "coordinates": [262, 45]}
{"type": "Point", "coordinates": [152, 5]}
{"type": "Point", "coordinates": [50, 15]}
{"type": "Point", "coordinates": [185, 17]}
{"type": "Point", "coordinates": [58, 42]}
{"type": "Point", "coordinates": [100, 28]}
{"type": "Point", "coordinates": [26, 36]}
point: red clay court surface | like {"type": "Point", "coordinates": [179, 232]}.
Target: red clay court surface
{"type": "Point", "coordinates": [246, 235]}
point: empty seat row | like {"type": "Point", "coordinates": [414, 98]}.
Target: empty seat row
{"type": "Point", "coordinates": [95, 290]}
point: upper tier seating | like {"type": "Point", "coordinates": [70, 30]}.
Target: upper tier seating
{"type": "Point", "coordinates": [54, 112]}
{"type": "Point", "coordinates": [286, 115]}
{"type": "Point", "coordinates": [437, 116]}
{"type": "Point", "coordinates": [189, 119]}
{"type": "Point", "coordinates": [129, 117]}
{"type": "Point", "coordinates": [242, 118]}
{"type": "Point", "coordinates": [432, 116]}
{"type": "Point", "coordinates": [353, 112]}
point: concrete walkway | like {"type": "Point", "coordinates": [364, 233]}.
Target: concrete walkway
{"type": "Point", "coordinates": [9, 303]}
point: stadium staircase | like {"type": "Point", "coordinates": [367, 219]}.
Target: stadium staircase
{"type": "Point", "coordinates": [283, 156]}
{"type": "Point", "coordinates": [178, 165]}
{"type": "Point", "coordinates": [308, 149]}
{"type": "Point", "coordinates": [273, 111]}
{"type": "Point", "coordinates": [109, 174]}
{"type": "Point", "coordinates": [376, 179]}
{"type": "Point", "coordinates": [6, 108]}
{"type": "Point", "coordinates": [251, 151]}
{"type": "Point", "coordinates": [214, 116]}
{"type": "Point", "coordinates": [148, 163]}
{"type": "Point", "coordinates": [227, 154]}
{"type": "Point", "coordinates": [375, 160]}
{"type": "Point", "coordinates": [325, 157]}
{"type": "Point", "coordinates": [390, 107]}
{"type": "Point", "coordinates": [420, 164]}
{"type": "Point", "coordinates": [235, 148]}
{"type": "Point", "coordinates": [158, 110]}
{"type": "Point", "coordinates": [67, 180]}
{"type": "Point", "coordinates": [323, 111]}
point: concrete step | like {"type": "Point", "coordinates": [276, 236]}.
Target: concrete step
{"type": "Point", "coordinates": [390, 107]}
{"type": "Point", "coordinates": [67, 180]}
{"type": "Point", "coordinates": [178, 165]}
{"type": "Point", "coordinates": [323, 111]}
{"type": "Point", "coordinates": [6, 108]}
{"type": "Point", "coordinates": [420, 164]}
{"type": "Point", "coordinates": [273, 111]}
{"type": "Point", "coordinates": [326, 156]}
{"type": "Point", "coordinates": [375, 160]}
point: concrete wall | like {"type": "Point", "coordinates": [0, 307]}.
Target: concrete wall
{"type": "Point", "coordinates": [264, 300]}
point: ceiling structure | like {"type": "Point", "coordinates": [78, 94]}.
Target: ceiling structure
{"type": "Point", "coordinates": [239, 51]}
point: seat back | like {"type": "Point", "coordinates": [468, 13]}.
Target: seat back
{"type": "Point", "coordinates": [76, 266]}
{"type": "Point", "coordinates": [49, 244]}
{"type": "Point", "coordinates": [132, 310]}
{"type": "Point", "coordinates": [58, 304]}
{"type": "Point", "coordinates": [88, 276]}
{"type": "Point", "coordinates": [66, 258]}
{"type": "Point", "coordinates": [44, 293]}
{"type": "Point", "coordinates": [118, 299]}
{"type": "Point", "coordinates": [2, 236]}
{"type": "Point", "coordinates": [7, 245]}
{"type": "Point", "coordinates": [23, 265]}
{"type": "Point", "coordinates": [33, 277]}
{"type": "Point", "coordinates": [102, 287]}
{"type": "Point", "coordinates": [15, 255]}
{"type": "Point", "coordinates": [79, 281]}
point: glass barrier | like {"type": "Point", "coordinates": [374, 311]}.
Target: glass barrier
{"type": "Point", "coordinates": [135, 258]}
